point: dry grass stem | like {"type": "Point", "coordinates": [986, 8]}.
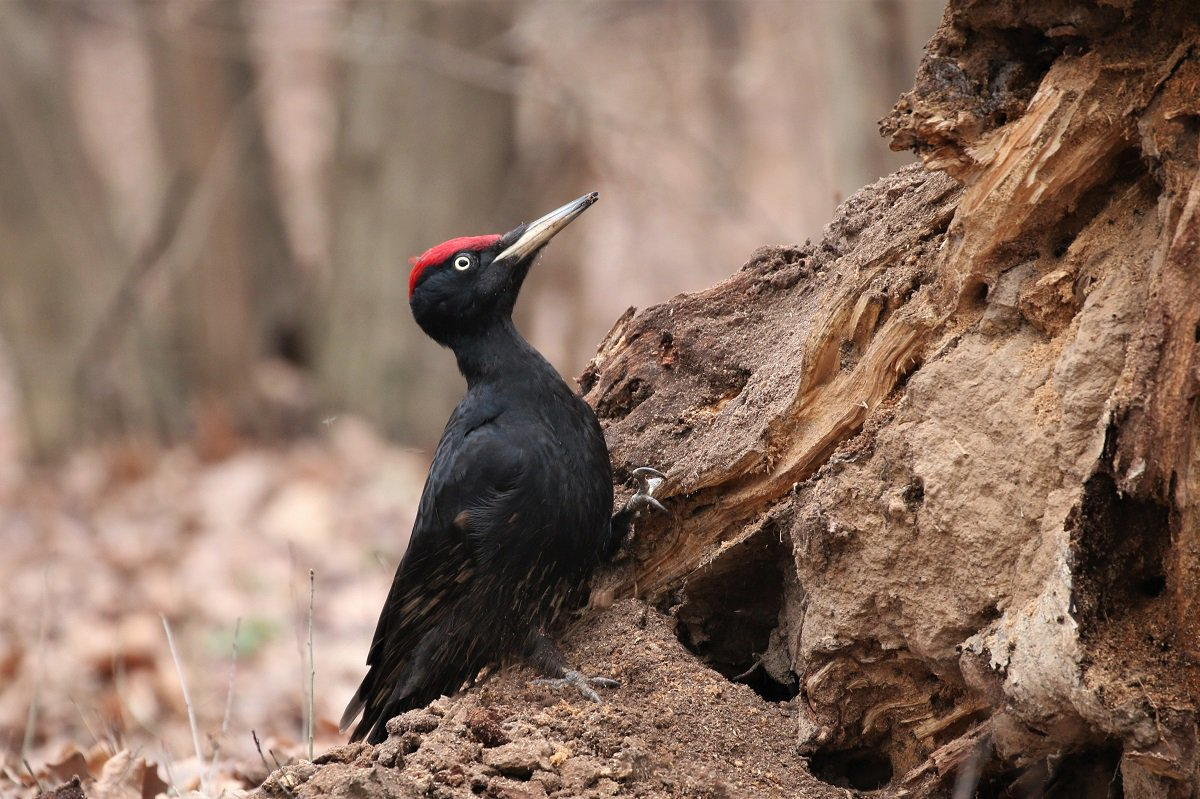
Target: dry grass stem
{"type": "Point", "coordinates": [212, 768]}
{"type": "Point", "coordinates": [187, 700]}
{"type": "Point", "coordinates": [312, 666]}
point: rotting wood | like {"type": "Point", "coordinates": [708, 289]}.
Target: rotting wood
{"type": "Point", "coordinates": [1056, 296]}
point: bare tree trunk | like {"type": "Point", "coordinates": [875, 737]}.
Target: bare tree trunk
{"type": "Point", "coordinates": [422, 156]}
{"type": "Point", "coordinates": [59, 248]}
{"type": "Point", "coordinates": [114, 333]}
{"type": "Point", "coordinates": [236, 302]}
{"type": "Point", "coordinates": [937, 475]}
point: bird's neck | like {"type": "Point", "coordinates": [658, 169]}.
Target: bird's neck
{"type": "Point", "coordinates": [500, 354]}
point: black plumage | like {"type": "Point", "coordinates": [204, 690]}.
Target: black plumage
{"type": "Point", "coordinates": [517, 508]}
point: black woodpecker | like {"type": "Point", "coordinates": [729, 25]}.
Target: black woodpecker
{"type": "Point", "coordinates": [517, 509]}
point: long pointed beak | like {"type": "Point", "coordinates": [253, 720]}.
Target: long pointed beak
{"type": "Point", "coordinates": [538, 232]}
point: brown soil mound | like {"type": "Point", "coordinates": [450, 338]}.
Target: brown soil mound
{"type": "Point", "coordinates": [673, 728]}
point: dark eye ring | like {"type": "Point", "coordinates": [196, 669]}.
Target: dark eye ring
{"type": "Point", "coordinates": [462, 263]}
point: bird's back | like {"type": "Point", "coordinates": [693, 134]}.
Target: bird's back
{"type": "Point", "coordinates": [513, 517]}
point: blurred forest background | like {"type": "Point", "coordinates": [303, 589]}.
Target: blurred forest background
{"type": "Point", "coordinates": [209, 205]}
{"type": "Point", "coordinates": [206, 213]}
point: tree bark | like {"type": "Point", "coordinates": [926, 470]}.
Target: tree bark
{"type": "Point", "coordinates": [419, 123]}
{"type": "Point", "coordinates": [937, 474]}
{"type": "Point", "coordinates": [115, 331]}
{"type": "Point", "coordinates": [59, 248]}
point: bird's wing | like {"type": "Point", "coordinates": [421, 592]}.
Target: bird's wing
{"type": "Point", "coordinates": [470, 495]}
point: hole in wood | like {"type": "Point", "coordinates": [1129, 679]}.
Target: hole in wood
{"type": "Point", "coordinates": [1120, 545]}
{"type": "Point", "coordinates": [730, 610]}
{"type": "Point", "coordinates": [1089, 774]}
{"type": "Point", "coordinates": [1063, 245]}
{"type": "Point", "coordinates": [1152, 586]}
{"type": "Point", "coordinates": [859, 769]}
{"type": "Point", "coordinates": [980, 293]}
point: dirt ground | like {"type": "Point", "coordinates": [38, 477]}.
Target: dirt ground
{"type": "Point", "coordinates": [98, 550]}
{"type": "Point", "coordinates": [673, 728]}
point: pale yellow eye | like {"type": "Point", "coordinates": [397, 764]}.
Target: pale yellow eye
{"type": "Point", "coordinates": [462, 263]}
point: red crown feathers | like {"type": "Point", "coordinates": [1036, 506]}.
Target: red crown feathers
{"type": "Point", "coordinates": [435, 255]}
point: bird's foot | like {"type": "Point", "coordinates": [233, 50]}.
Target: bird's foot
{"type": "Point", "coordinates": [648, 482]}
{"type": "Point", "coordinates": [580, 682]}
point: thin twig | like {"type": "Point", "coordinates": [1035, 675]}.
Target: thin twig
{"type": "Point", "coordinates": [168, 762]}
{"type": "Point", "coordinates": [280, 780]}
{"type": "Point", "coordinates": [258, 746]}
{"type": "Point", "coordinates": [278, 765]}
{"type": "Point", "coordinates": [92, 732]}
{"type": "Point", "coordinates": [187, 700]}
{"type": "Point", "coordinates": [31, 716]}
{"type": "Point", "coordinates": [113, 727]}
{"type": "Point", "coordinates": [312, 666]}
{"type": "Point", "coordinates": [237, 628]}
{"type": "Point", "coordinates": [274, 757]}
{"type": "Point", "coordinates": [29, 768]}
{"type": "Point", "coordinates": [298, 629]}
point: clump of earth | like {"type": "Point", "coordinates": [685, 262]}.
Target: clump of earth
{"type": "Point", "coordinates": [674, 728]}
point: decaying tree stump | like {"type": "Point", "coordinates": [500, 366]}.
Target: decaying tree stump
{"type": "Point", "coordinates": [940, 473]}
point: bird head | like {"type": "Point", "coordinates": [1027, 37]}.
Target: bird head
{"type": "Point", "coordinates": [465, 286]}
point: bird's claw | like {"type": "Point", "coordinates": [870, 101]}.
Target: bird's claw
{"type": "Point", "coordinates": [648, 482]}
{"type": "Point", "coordinates": [580, 682]}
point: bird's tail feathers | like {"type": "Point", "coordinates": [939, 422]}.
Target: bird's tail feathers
{"type": "Point", "coordinates": [352, 710]}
